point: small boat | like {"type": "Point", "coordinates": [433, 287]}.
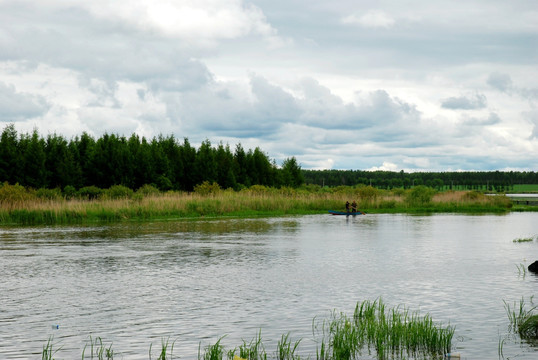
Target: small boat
{"type": "Point", "coordinates": [335, 212]}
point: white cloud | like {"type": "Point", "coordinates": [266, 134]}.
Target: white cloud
{"type": "Point", "coordinates": [449, 89]}
{"type": "Point", "coordinates": [370, 19]}
{"type": "Point", "coordinates": [387, 166]}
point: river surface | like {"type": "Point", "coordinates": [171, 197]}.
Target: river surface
{"type": "Point", "coordinates": [137, 284]}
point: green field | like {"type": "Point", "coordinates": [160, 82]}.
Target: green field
{"type": "Point", "coordinates": [523, 188]}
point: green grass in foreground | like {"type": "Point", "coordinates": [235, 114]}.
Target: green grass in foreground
{"type": "Point", "coordinates": [373, 329]}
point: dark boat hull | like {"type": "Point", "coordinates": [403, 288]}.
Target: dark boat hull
{"type": "Point", "coordinates": [334, 212]}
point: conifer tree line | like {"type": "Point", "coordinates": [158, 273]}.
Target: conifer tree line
{"type": "Point", "coordinates": [55, 162]}
{"type": "Point", "coordinates": [469, 180]}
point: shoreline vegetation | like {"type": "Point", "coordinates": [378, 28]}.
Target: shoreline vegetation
{"type": "Point", "coordinates": [25, 206]}
{"type": "Point", "coordinates": [373, 329]}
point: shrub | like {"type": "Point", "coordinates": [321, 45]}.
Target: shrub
{"type": "Point", "coordinates": [258, 189]}
{"type": "Point", "coordinates": [367, 193]}
{"type": "Point", "coordinates": [164, 183]}
{"type": "Point", "coordinates": [118, 192]}
{"type": "Point", "coordinates": [89, 192]}
{"type": "Point", "coordinates": [49, 194]}
{"type": "Point", "coordinates": [206, 188]}
{"type": "Point", "coordinates": [473, 195]}
{"type": "Point", "coordinates": [419, 195]}
{"type": "Point", "coordinates": [13, 193]}
{"type": "Point", "coordinates": [70, 192]}
{"type": "Point", "coordinates": [148, 190]}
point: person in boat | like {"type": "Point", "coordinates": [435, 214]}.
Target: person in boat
{"type": "Point", "coordinates": [354, 206]}
{"type": "Point", "coordinates": [347, 206]}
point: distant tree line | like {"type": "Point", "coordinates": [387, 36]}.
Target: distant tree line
{"type": "Point", "coordinates": [55, 162]}
{"type": "Point", "coordinates": [469, 180]}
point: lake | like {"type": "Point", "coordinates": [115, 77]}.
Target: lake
{"type": "Point", "coordinates": [134, 284]}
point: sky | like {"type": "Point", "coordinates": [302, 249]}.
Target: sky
{"type": "Point", "coordinates": [409, 85]}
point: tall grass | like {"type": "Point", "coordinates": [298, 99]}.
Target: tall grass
{"type": "Point", "coordinates": [392, 332]}
{"type": "Point", "coordinates": [31, 210]}
{"type": "Point", "coordinates": [523, 320]}
{"type": "Point", "coordinates": [212, 351]}
{"type": "Point", "coordinates": [286, 348]}
{"type": "Point", "coordinates": [396, 333]}
{"type": "Point", "coordinates": [166, 350]}
{"type": "Point", "coordinates": [98, 350]}
{"type": "Point", "coordinates": [48, 352]}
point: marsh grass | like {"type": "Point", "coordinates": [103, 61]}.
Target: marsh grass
{"type": "Point", "coordinates": [254, 350]}
{"type": "Point", "coordinates": [98, 350]}
{"type": "Point", "coordinates": [525, 239]}
{"type": "Point", "coordinates": [523, 320]}
{"type": "Point", "coordinates": [48, 351]}
{"type": "Point", "coordinates": [286, 348]}
{"type": "Point", "coordinates": [213, 351]}
{"type": "Point", "coordinates": [522, 270]}
{"type": "Point", "coordinates": [248, 203]}
{"type": "Point", "coordinates": [167, 349]}
{"type": "Point", "coordinates": [395, 332]}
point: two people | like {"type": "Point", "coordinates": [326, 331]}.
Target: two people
{"type": "Point", "coordinates": [353, 206]}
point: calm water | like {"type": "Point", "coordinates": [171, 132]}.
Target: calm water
{"type": "Point", "coordinates": [192, 282]}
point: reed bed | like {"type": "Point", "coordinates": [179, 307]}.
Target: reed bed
{"type": "Point", "coordinates": [249, 203]}
{"type": "Point", "coordinates": [373, 329]}
{"type": "Point", "coordinates": [396, 333]}
{"type": "Point", "coordinates": [523, 320]}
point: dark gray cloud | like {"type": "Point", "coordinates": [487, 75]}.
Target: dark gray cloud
{"type": "Point", "coordinates": [472, 102]}
{"type": "Point", "coordinates": [16, 106]}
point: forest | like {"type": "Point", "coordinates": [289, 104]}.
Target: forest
{"type": "Point", "coordinates": [54, 162]}
{"type": "Point", "coordinates": [500, 181]}
{"type": "Point", "coordinates": [83, 161]}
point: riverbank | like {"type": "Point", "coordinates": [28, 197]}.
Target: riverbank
{"type": "Point", "coordinates": [253, 202]}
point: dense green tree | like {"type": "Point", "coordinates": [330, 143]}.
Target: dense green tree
{"type": "Point", "coordinates": [240, 166]}
{"type": "Point", "coordinates": [188, 156]}
{"type": "Point", "coordinates": [33, 161]}
{"type": "Point", "coordinates": [110, 160]}
{"type": "Point", "coordinates": [59, 162]}
{"type": "Point", "coordinates": [225, 161]}
{"type": "Point", "coordinates": [172, 151]}
{"type": "Point", "coordinates": [10, 159]}
{"type": "Point", "coordinates": [291, 173]}
{"type": "Point", "coordinates": [143, 171]}
{"type": "Point", "coordinates": [205, 165]}
{"type": "Point", "coordinates": [83, 149]}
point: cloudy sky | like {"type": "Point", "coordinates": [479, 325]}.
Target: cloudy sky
{"type": "Point", "coordinates": [412, 85]}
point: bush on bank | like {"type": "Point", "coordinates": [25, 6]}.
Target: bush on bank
{"type": "Point", "coordinates": [19, 205]}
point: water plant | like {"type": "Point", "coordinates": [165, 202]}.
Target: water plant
{"type": "Point", "coordinates": [522, 270]}
{"type": "Point", "coordinates": [48, 352]}
{"type": "Point", "coordinates": [212, 352]}
{"type": "Point", "coordinates": [523, 321]}
{"type": "Point", "coordinates": [166, 350]}
{"type": "Point", "coordinates": [99, 350]}
{"type": "Point", "coordinates": [286, 348]}
{"type": "Point", "coordinates": [525, 239]}
{"type": "Point", "coordinates": [254, 350]}
{"type": "Point", "coordinates": [396, 332]}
